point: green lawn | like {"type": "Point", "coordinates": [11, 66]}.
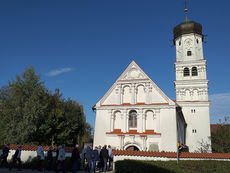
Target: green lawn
{"type": "Point", "coordinates": [205, 166]}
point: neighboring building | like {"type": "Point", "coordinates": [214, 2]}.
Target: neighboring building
{"type": "Point", "coordinates": [215, 127]}
{"type": "Point", "coordinates": [136, 114]}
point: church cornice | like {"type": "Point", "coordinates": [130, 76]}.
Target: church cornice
{"type": "Point", "coordinates": [137, 107]}
{"type": "Point", "coordinates": [137, 104]}
{"type": "Point", "coordinates": [132, 81]}
{"type": "Point", "coordinates": [194, 103]}
{"type": "Point", "coordinates": [193, 62]}
{"type": "Point", "coordinates": [193, 81]}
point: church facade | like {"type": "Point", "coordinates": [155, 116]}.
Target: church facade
{"type": "Point", "coordinates": [136, 114]}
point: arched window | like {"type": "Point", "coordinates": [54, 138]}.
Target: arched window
{"type": "Point", "coordinates": [150, 120]}
{"type": "Point", "coordinates": [140, 94]}
{"type": "Point", "coordinates": [126, 94]}
{"type": "Point", "coordinates": [133, 119]}
{"type": "Point", "coordinates": [194, 71]}
{"type": "Point", "coordinates": [186, 71]}
{"type": "Point", "coordinates": [117, 120]}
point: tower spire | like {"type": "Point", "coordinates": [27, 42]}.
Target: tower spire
{"type": "Point", "coordinates": [186, 11]}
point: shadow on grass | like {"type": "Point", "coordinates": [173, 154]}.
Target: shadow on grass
{"type": "Point", "coordinates": [134, 166]}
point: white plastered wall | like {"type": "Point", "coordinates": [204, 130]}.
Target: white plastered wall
{"type": "Point", "coordinates": [168, 130]}
{"type": "Point", "coordinates": [102, 125]}
{"type": "Point", "coordinates": [198, 126]}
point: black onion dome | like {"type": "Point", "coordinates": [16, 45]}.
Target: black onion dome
{"type": "Point", "coordinates": [187, 28]}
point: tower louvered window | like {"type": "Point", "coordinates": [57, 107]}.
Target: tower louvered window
{"type": "Point", "coordinates": [186, 71]}
{"type": "Point", "coordinates": [194, 71]}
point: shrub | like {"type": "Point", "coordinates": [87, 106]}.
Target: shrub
{"type": "Point", "coordinates": [134, 166]}
{"type": "Point", "coordinates": [185, 166]}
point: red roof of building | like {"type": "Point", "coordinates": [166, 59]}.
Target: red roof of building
{"type": "Point", "coordinates": [214, 127]}
{"type": "Point", "coordinates": [172, 154]}
{"type": "Point", "coordinates": [133, 132]}
{"type": "Point", "coordinates": [35, 147]}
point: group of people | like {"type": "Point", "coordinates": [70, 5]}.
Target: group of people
{"type": "Point", "coordinates": [60, 158]}
{"type": "Point", "coordinates": [89, 159]}
{"type": "Point", "coordinates": [98, 158]}
{"type": "Point", "coordinates": [92, 160]}
{"type": "Point", "coordinates": [16, 158]}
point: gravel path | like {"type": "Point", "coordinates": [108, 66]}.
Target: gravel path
{"type": "Point", "coordinates": [34, 171]}
{"type": "Point", "coordinates": [30, 171]}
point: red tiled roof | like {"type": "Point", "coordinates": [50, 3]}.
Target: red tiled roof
{"type": "Point", "coordinates": [34, 147]}
{"type": "Point", "coordinates": [172, 154]}
{"type": "Point", "coordinates": [129, 104]}
{"type": "Point", "coordinates": [133, 132]}
{"type": "Point", "coordinates": [215, 127]}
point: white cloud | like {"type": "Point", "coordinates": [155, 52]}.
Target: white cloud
{"type": "Point", "coordinates": [220, 106]}
{"type": "Point", "coordinates": [58, 71]}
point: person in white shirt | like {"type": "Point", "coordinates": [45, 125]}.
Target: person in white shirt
{"type": "Point", "coordinates": [61, 159]}
{"type": "Point", "coordinates": [110, 156]}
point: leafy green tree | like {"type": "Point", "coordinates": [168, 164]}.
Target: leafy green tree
{"type": "Point", "coordinates": [23, 107]}
{"type": "Point", "coordinates": [31, 114]}
{"type": "Point", "coordinates": [3, 96]}
{"type": "Point", "coordinates": [221, 139]}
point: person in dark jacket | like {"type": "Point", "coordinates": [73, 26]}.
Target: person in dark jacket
{"type": "Point", "coordinates": [101, 162]}
{"type": "Point", "coordinates": [75, 158]}
{"type": "Point", "coordinates": [105, 156]}
{"type": "Point", "coordinates": [4, 156]}
{"type": "Point", "coordinates": [50, 158]}
{"type": "Point", "coordinates": [17, 158]}
{"type": "Point", "coordinates": [95, 158]}
{"type": "Point", "coordinates": [56, 157]}
{"type": "Point", "coordinates": [88, 156]}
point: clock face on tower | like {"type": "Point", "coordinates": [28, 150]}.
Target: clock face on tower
{"type": "Point", "coordinates": [188, 42]}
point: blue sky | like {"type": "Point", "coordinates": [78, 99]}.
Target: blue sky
{"type": "Point", "coordinates": [82, 46]}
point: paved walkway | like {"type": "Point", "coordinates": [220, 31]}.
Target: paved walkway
{"type": "Point", "coordinates": [34, 171]}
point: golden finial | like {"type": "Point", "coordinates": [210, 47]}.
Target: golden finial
{"type": "Point", "coordinates": [186, 11]}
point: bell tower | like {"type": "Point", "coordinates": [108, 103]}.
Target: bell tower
{"type": "Point", "coordinates": [191, 82]}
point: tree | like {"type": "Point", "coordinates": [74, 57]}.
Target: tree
{"type": "Point", "coordinates": [23, 106]}
{"type": "Point", "coordinates": [204, 147]}
{"type": "Point", "coordinates": [31, 114]}
{"type": "Point", "coordinates": [221, 138]}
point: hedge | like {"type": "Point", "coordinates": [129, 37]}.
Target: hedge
{"type": "Point", "coordinates": [188, 166]}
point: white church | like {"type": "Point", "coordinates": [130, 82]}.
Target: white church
{"type": "Point", "coordinates": [135, 114]}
